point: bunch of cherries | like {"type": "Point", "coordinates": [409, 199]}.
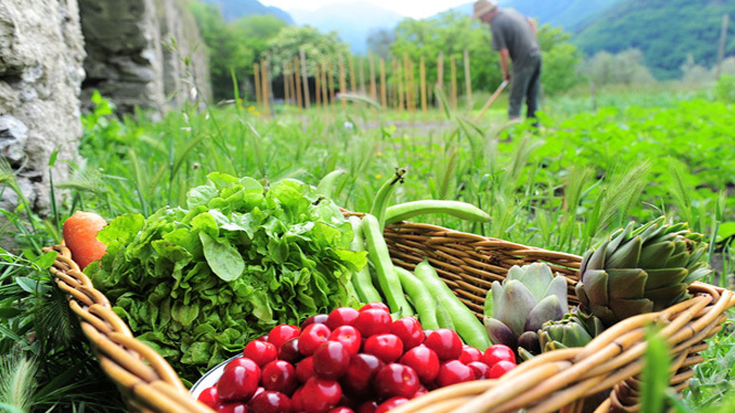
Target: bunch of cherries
{"type": "Point", "coordinates": [349, 361]}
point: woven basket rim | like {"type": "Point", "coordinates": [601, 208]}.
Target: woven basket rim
{"type": "Point", "coordinates": [148, 383]}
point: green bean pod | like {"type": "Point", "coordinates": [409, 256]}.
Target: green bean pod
{"type": "Point", "coordinates": [329, 183]}
{"type": "Point", "coordinates": [442, 315]}
{"type": "Point", "coordinates": [462, 210]}
{"type": "Point", "coordinates": [361, 280]}
{"type": "Point", "coordinates": [379, 256]}
{"type": "Point", "coordinates": [466, 324]}
{"type": "Point", "coordinates": [423, 302]}
{"type": "Point", "coordinates": [380, 202]}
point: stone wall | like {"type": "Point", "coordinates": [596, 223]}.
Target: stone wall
{"type": "Point", "coordinates": [41, 54]}
{"type": "Point", "coordinates": [131, 58]}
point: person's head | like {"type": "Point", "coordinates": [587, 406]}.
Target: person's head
{"type": "Point", "coordinates": [485, 10]}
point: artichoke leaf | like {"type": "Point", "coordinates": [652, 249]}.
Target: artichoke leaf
{"type": "Point", "coordinates": [517, 303]}
{"type": "Point", "coordinates": [549, 309]}
{"type": "Point", "coordinates": [656, 255]}
{"type": "Point", "coordinates": [627, 256]}
{"type": "Point", "coordinates": [626, 283]}
{"type": "Point", "coordinates": [499, 333]}
{"type": "Point", "coordinates": [667, 276]}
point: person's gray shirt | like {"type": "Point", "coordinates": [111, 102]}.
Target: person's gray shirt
{"type": "Point", "coordinates": [511, 31]}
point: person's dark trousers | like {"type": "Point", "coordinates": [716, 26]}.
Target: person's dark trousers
{"type": "Point", "coordinates": [526, 82]}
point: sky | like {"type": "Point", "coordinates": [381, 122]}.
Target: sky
{"type": "Point", "coordinates": [417, 9]}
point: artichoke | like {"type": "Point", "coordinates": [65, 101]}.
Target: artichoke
{"type": "Point", "coordinates": [529, 297]}
{"type": "Point", "coordinates": [575, 329]}
{"type": "Point", "coordinates": [640, 270]}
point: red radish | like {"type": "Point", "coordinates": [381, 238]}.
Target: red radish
{"type": "Point", "coordinates": [80, 235]}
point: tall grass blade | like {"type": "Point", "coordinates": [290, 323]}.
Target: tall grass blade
{"type": "Point", "coordinates": [655, 376]}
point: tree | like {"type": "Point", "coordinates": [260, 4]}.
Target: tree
{"type": "Point", "coordinates": [318, 48]}
{"type": "Point", "coordinates": [560, 59]}
{"type": "Point", "coordinates": [233, 47]}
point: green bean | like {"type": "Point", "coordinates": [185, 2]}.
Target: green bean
{"type": "Point", "coordinates": [423, 302]}
{"type": "Point", "coordinates": [380, 202]}
{"type": "Point", "coordinates": [462, 210]}
{"type": "Point", "coordinates": [379, 256]}
{"type": "Point", "coordinates": [329, 182]}
{"type": "Point", "coordinates": [366, 291]}
{"type": "Point", "coordinates": [442, 315]}
{"type": "Point", "coordinates": [466, 324]}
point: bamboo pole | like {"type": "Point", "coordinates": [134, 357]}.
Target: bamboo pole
{"type": "Point", "coordinates": [373, 86]}
{"type": "Point", "coordinates": [467, 78]}
{"type": "Point", "coordinates": [305, 78]}
{"type": "Point", "coordinates": [318, 80]}
{"type": "Point", "coordinates": [266, 90]}
{"type": "Point", "coordinates": [412, 76]}
{"type": "Point", "coordinates": [258, 93]}
{"type": "Point", "coordinates": [383, 86]}
{"type": "Point", "coordinates": [342, 80]}
{"type": "Point", "coordinates": [453, 68]}
{"type": "Point", "coordinates": [393, 83]}
{"type": "Point", "coordinates": [286, 85]}
{"type": "Point", "coordinates": [297, 80]}
{"type": "Point", "coordinates": [422, 75]}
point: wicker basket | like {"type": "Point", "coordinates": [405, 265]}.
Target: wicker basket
{"type": "Point", "coordinates": [603, 376]}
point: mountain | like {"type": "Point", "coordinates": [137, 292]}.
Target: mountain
{"type": "Point", "coordinates": [666, 31]}
{"type": "Point", "coordinates": [353, 21]}
{"type": "Point", "coordinates": [568, 14]}
{"type": "Point", "coordinates": [234, 9]}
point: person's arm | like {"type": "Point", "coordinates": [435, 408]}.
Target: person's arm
{"type": "Point", "coordinates": [504, 58]}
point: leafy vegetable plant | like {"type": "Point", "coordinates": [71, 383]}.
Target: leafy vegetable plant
{"type": "Point", "coordinates": [199, 283]}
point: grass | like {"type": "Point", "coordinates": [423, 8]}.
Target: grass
{"type": "Point", "coordinates": [563, 187]}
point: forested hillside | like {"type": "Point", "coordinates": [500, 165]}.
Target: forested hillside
{"type": "Point", "coordinates": [234, 9]}
{"type": "Point", "coordinates": [666, 31]}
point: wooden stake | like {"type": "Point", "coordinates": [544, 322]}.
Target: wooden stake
{"type": "Point", "coordinates": [258, 94]}
{"type": "Point", "coordinates": [305, 78]}
{"type": "Point", "coordinates": [293, 78]}
{"type": "Point", "coordinates": [401, 86]}
{"type": "Point", "coordinates": [353, 79]}
{"type": "Point", "coordinates": [342, 80]}
{"type": "Point", "coordinates": [297, 80]}
{"type": "Point", "coordinates": [468, 79]}
{"type": "Point", "coordinates": [318, 80]}
{"type": "Point", "coordinates": [383, 91]}
{"type": "Point", "coordinates": [266, 90]}
{"type": "Point", "coordinates": [286, 86]}
{"type": "Point", "coordinates": [453, 68]}
{"type": "Point", "coordinates": [721, 51]}
{"type": "Point", "coordinates": [373, 86]}
{"type": "Point", "coordinates": [422, 75]}
{"type": "Point", "coordinates": [325, 88]}
{"type": "Point", "coordinates": [361, 69]}
{"type": "Point", "coordinates": [330, 81]}
{"type": "Point", "coordinates": [407, 81]}
{"type": "Point", "coordinates": [440, 71]}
